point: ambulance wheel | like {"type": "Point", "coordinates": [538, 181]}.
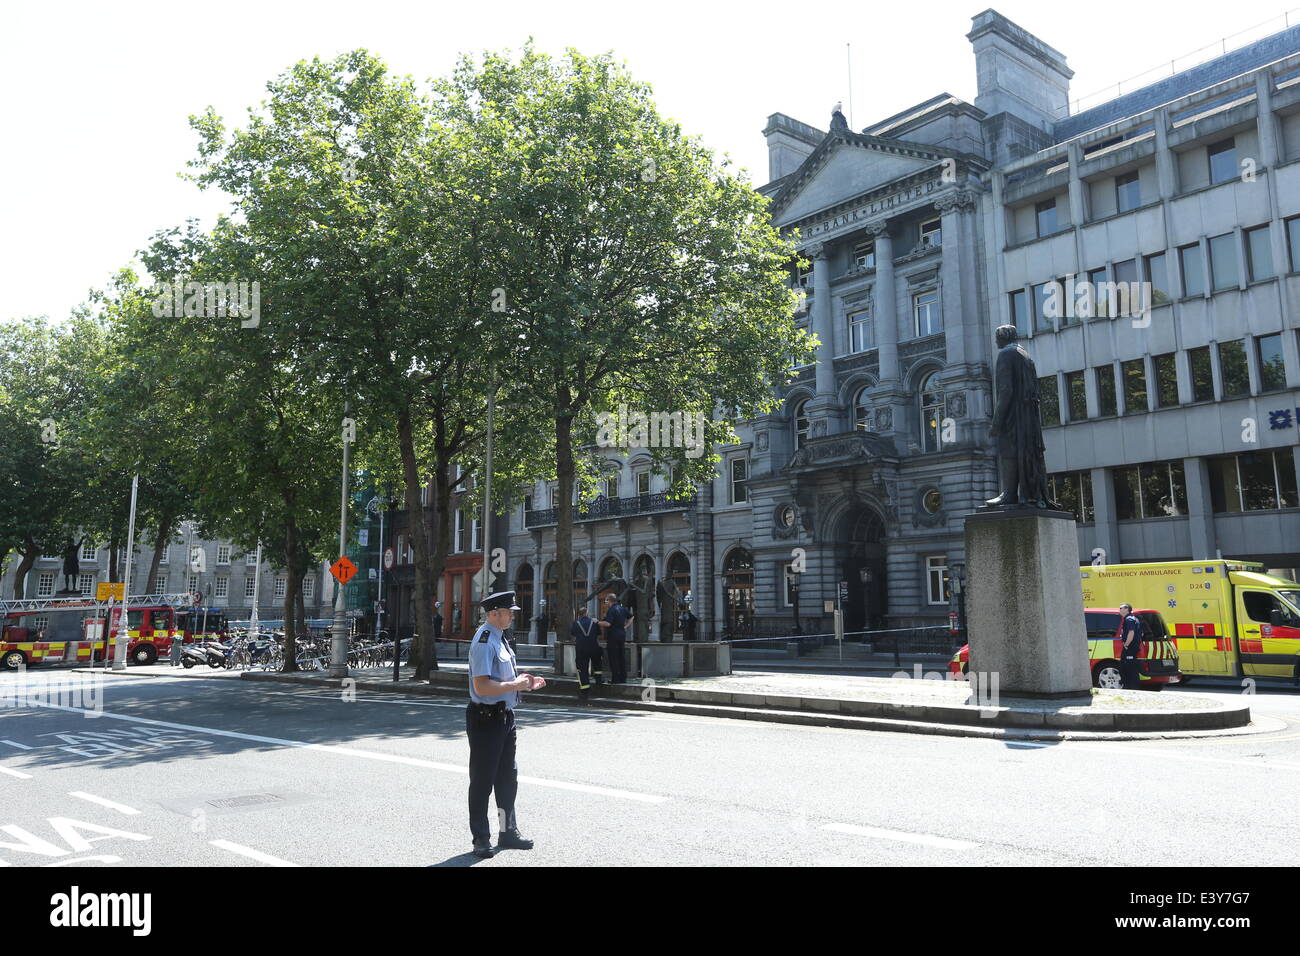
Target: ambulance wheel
{"type": "Point", "coordinates": [187, 663]}
{"type": "Point", "coordinates": [145, 654]}
{"type": "Point", "coordinates": [14, 660]}
{"type": "Point", "coordinates": [1107, 675]}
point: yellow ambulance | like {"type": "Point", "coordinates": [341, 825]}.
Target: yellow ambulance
{"type": "Point", "coordinates": [1227, 618]}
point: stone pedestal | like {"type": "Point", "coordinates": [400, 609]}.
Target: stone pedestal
{"type": "Point", "coordinates": [1024, 602]}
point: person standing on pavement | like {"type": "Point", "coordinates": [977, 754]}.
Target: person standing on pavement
{"type": "Point", "coordinates": [494, 690]}
{"type": "Point", "coordinates": [615, 627]}
{"type": "Point", "coordinates": [1130, 635]}
{"type": "Point", "coordinates": [585, 636]}
{"type": "Point", "coordinates": [437, 620]}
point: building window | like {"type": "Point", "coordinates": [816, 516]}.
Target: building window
{"type": "Point", "coordinates": [1233, 372]}
{"type": "Point", "coordinates": [165, 556]}
{"type": "Point", "coordinates": [1223, 261]}
{"type": "Point", "coordinates": [861, 332]}
{"type": "Point", "coordinates": [936, 579]}
{"type": "Point", "coordinates": [862, 418]}
{"type": "Point", "coordinates": [611, 486]}
{"type": "Point", "coordinates": [864, 255]}
{"type": "Point", "coordinates": [1128, 191]}
{"type": "Point", "coordinates": [1134, 375]}
{"type": "Point", "coordinates": [250, 559]}
{"type": "Point", "coordinates": [1019, 311]}
{"type": "Point", "coordinates": [801, 424]}
{"type": "Point", "coordinates": [1073, 492]}
{"type": "Point", "coordinates": [86, 584]}
{"type": "Point", "coordinates": [1047, 305]}
{"type": "Point", "coordinates": [804, 278]}
{"type": "Point", "coordinates": [1293, 241]}
{"type": "Point", "coordinates": [45, 584]}
{"type": "Point", "coordinates": [1272, 367]}
{"type": "Point", "coordinates": [1259, 254]}
{"type": "Point", "coordinates": [476, 534]}
{"type": "Point", "coordinates": [221, 587]}
{"type": "Point", "coordinates": [1223, 161]}
{"type": "Point", "coordinates": [40, 622]}
{"type": "Point", "coordinates": [931, 234]}
{"type": "Point", "coordinates": [739, 480]}
{"type": "Point", "coordinates": [1100, 304]}
{"type": "Point", "coordinates": [1158, 276]}
{"type": "Point", "coordinates": [89, 552]}
{"type": "Point", "coordinates": [1156, 490]}
{"type": "Point", "coordinates": [925, 313]}
{"type": "Point", "coordinates": [1190, 261]}
{"type": "Point", "coordinates": [1049, 400]}
{"type": "Point", "coordinates": [223, 554]}
{"type": "Point", "coordinates": [192, 584]}
{"type": "Point", "coordinates": [1254, 481]}
{"type": "Point", "coordinates": [281, 585]}
{"type": "Point", "coordinates": [1202, 375]}
{"type": "Point", "coordinates": [1106, 402]}
{"type": "Point", "coordinates": [1166, 369]}
{"type": "Point", "coordinates": [250, 585]}
{"type": "Point", "coordinates": [932, 412]}
{"type": "Point", "coordinates": [1076, 391]}
{"type": "Point", "coordinates": [1045, 213]}
{"type": "Point", "coordinates": [308, 586]}
{"type": "Point", "coordinates": [461, 543]}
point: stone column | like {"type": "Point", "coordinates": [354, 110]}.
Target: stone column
{"type": "Point", "coordinates": [952, 282]}
{"type": "Point", "coordinates": [884, 306]}
{"type": "Point", "coordinates": [1200, 509]}
{"type": "Point", "coordinates": [1103, 510]}
{"type": "Point", "coordinates": [1166, 167]}
{"type": "Point", "coordinates": [823, 319]}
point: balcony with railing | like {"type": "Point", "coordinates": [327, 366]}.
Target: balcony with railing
{"type": "Point", "coordinates": [603, 508]}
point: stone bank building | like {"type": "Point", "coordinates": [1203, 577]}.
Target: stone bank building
{"type": "Point", "coordinates": [924, 231]}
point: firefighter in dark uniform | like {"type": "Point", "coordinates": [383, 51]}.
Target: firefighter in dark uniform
{"type": "Point", "coordinates": [494, 690]}
{"type": "Point", "coordinates": [1130, 635]}
{"type": "Point", "coordinates": [586, 646]}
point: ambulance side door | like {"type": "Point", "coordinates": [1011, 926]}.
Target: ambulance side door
{"type": "Point", "coordinates": [1266, 650]}
{"type": "Point", "coordinates": [1207, 637]}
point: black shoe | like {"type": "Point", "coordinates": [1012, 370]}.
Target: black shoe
{"type": "Point", "coordinates": [483, 849]}
{"type": "Point", "coordinates": [513, 840]}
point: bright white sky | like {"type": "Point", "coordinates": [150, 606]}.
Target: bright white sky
{"type": "Point", "coordinates": [96, 95]}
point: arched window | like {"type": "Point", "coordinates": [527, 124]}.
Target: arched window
{"type": "Point", "coordinates": [801, 424]}
{"type": "Point", "coordinates": [679, 570]}
{"type": "Point", "coordinates": [610, 569]}
{"type": "Point", "coordinates": [862, 418]}
{"type": "Point", "coordinates": [738, 591]}
{"type": "Point", "coordinates": [932, 413]}
{"type": "Point", "coordinates": [579, 582]}
{"type": "Point", "coordinates": [524, 597]}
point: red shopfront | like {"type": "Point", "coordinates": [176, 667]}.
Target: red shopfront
{"type": "Point", "coordinates": [459, 595]}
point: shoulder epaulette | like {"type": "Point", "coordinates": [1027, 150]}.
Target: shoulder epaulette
{"type": "Point", "coordinates": [486, 634]}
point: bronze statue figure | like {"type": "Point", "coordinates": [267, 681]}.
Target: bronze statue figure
{"type": "Point", "coordinates": [1017, 428]}
{"type": "Point", "coordinates": [71, 567]}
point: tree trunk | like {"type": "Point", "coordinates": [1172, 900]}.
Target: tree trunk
{"type": "Point", "coordinates": [30, 551]}
{"type": "Point", "coordinates": [415, 527]}
{"type": "Point", "coordinates": [291, 559]}
{"type": "Point", "coordinates": [443, 523]}
{"type": "Point", "coordinates": [164, 536]}
{"type": "Point", "coordinates": [563, 512]}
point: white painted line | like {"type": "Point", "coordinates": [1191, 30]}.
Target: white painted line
{"type": "Point", "coordinates": [252, 854]}
{"type": "Point", "coordinates": [900, 835]}
{"type": "Point", "coordinates": [1136, 750]}
{"type": "Point", "coordinates": [354, 752]}
{"type": "Point", "coordinates": [16, 746]}
{"type": "Point", "coordinates": [119, 807]}
{"type": "Point", "coordinates": [16, 773]}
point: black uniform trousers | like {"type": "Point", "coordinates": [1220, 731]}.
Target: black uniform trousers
{"type": "Point", "coordinates": [491, 732]}
{"type": "Point", "coordinates": [617, 658]}
{"type": "Point", "coordinates": [589, 656]}
{"type": "Point", "coordinates": [1128, 667]}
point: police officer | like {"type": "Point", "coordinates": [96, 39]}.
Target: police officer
{"type": "Point", "coordinates": [1131, 637]}
{"type": "Point", "coordinates": [494, 691]}
{"type": "Point", "coordinates": [586, 647]}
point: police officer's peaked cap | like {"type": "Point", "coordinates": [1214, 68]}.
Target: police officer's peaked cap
{"type": "Point", "coordinates": [502, 600]}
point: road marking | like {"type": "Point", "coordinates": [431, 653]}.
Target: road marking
{"type": "Point", "coordinates": [16, 773]}
{"type": "Point", "coordinates": [354, 752]}
{"type": "Point", "coordinates": [249, 852]}
{"type": "Point", "coordinates": [119, 807]}
{"type": "Point", "coordinates": [17, 746]}
{"type": "Point", "coordinates": [1137, 751]}
{"type": "Point", "coordinates": [900, 835]}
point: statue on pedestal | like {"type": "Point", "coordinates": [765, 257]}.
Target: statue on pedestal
{"type": "Point", "coordinates": [1017, 428]}
{"type": "Point", "coordinates": [71, 567]}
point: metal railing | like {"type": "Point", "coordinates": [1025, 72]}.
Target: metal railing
{"type": "Point", "coordinates": [611, 508]}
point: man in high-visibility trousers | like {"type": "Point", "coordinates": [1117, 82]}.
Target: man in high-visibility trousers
{"type": "Point", "coordinates": [585, 635]}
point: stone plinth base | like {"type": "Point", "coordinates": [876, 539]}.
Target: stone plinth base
{"type": "Point", "coordinates": [1024, 603]}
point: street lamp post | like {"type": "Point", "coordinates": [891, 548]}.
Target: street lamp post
{"type": "Point", "coordinates": [339, 642]}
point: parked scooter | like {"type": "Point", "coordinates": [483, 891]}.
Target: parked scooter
{"type": "Point", "coordinates": [204, 652]}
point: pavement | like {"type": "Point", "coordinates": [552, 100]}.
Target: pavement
{"type": "Point", "coordinates": [202, 768]}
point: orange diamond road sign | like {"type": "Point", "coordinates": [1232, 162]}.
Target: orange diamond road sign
{"type": "Point", "coordinates": [343, 569]}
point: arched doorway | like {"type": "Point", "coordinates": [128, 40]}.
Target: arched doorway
{"type": "Point", "coordinates": [679, 573]}
{"type": "Point", "coordinates": [524, 598]}
{"type": "Point", "coordinates": [738, 592]}
{"type": "Point", "coordinates": [862, 565]}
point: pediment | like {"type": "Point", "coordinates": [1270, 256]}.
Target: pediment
{"type": "Point", "coordinates": [844, 166]}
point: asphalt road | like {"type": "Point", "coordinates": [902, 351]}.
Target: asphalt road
{"type": "Point", "coordinates": [201, 770]}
